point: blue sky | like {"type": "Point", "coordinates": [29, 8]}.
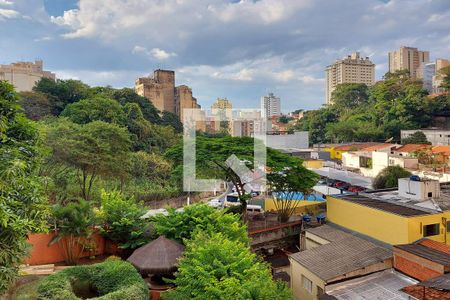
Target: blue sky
{"type": "Point", "coordinates": [235, 49]}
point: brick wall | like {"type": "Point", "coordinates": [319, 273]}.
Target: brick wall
{"type": "Point", "coordinates": [414, 269]}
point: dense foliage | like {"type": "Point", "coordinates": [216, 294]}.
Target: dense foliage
{"type": "Point", "coordinates": [23, 207]}
{"type": "Point", "coordinates": [377, 113]}
{"type": "Point", "coordinates": [73, 224]}
{"type": "Point", "coordinates": [121, 222]}
{"type": "Point", "coordinates": [181, 226]}
{"type": "Point", "coordinates": [388, 177]}
{"type": "Point", "coordinates": [111, 280]}
{"type": "Point", "coordinates": [212, 154]}
{"type": "Point", "coordinates": [215, 266]}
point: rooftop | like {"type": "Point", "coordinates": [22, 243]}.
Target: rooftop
{"type": "Point", "coordinates": [433, 289]}
{"type": "Point", "coordinates": [336, 259]}
{"type": "Point", "coordinates": [412, 147]}
{"type": "Point", "coordinates": [355, 146]}
{"type": "Point", "coordinates": [328, 233]}
{"type": "Point", "coordinates": [379, 147]}
{"type": "Point", "coordinates": [381, 285]}
{"type": "Point", "coordinates": [428, 250]}
{"type": "Point", "coordinates": [388, 206]}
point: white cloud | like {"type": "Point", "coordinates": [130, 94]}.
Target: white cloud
{"type": "Point", "coordinates": [6, 3]}
{"type": "Point", "coordinates": [156, 53]}
{"type": "Point", "coordinates": [8, 14]}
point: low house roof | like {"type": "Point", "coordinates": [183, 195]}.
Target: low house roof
{"type": "Point", "coordinates": [328, 233]}
{"type": "Point", "coordinates": [437, 288]}
{"type": "Point", "coordinates": [441, 149]}
{"type": "Point", "coordinates": [422, 250]}
{"type": "Point", "coordinates": [355, 146]}
{"type": "Point", "coordinates": [412, 147]}
{"type": "Point", "coordinates": [339, 258]}
{"type": "Point", "coordinates": [379, 147]}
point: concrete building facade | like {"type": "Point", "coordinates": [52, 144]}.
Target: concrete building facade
{"type": "Point", "coordinates": [407, 58]}
{"type": "Point", "coordinates": [352, 69]}
{"type": "Point", "coordinates": [426, 72]}
{"type": "Point", "coordinates": [24, 75]}
{"type": "Point", "coordinates": [162, 92]}
{"type": "Point", "coordinates": [270, 106]}
{"type": "Point", "coordinates": [436, 137]}
{"type": "Point", "coordinates": [439, 76]}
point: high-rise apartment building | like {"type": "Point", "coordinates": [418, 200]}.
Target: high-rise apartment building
{"type": "Point", "coordinates": [352, 69]}
{"type": "Point", "coordinates": [439, 76]}
{"type": "Point", "coordinates": [222, 103]}
{"type": "Point", "coordinates": [407, 58]}
{"type": "Point", "coordinates": [161, 91]}
{"type": "Point", "coordinates": [270, 106]}
{"type": "Point", "coordinates": [425, 72]}
{"type": "Point", "coordinates": [24, 75]}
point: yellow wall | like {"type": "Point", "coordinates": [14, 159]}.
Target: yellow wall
{"type": "Point", "coordinates": [298, 291]}
{"type": "Point", "coordinates": [335, 154]}
{"type": "Point", "coordinates": [302, 206]}
{"type": "Point", "coordinates": [313, 163]}
{"type": "Point", "coordinates": [383, 226]}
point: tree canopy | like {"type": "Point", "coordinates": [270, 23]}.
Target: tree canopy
{"type": "Point", "coordinates": [388, 177]}
{"type": "Point", "coordinates": [23, 207]}
{"type": "Point", "coordinates": [417, 137]}
{"type": "Point", "coordinates": [216, 267]}
{"type": "Point", "coordinates": [376, 113]}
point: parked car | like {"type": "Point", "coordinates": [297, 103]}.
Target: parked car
{"type": "Point", "coordinates": [355, 189]}
{"type": "Point", "coordinates": [254, 209]}
{"type": "Point", "coordinates": [341, 185]}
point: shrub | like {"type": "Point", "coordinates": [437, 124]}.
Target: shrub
{"type": "Point", "coordinates": [112, 280]}
{"type": "Point", "coordinates": [388, 177]}
{"type": "Point", "coordinates": [199, 217]}
{"type": "Point", "coordinates": [121, 220]}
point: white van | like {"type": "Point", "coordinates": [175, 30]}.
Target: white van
{"type": "Point", "coordinates": [254, 209]}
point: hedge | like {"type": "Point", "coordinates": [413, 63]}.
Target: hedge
{"type": "Point", "coordinates": [112, 280]}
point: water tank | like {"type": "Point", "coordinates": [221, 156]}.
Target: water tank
{"type": "Point", "coordinates": [414, 178]}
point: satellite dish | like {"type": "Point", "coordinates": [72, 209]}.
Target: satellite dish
{"type": "Point", "coordinates": [389, 140]}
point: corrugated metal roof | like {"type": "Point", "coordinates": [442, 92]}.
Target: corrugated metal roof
{"type": "Point", "coordinates": [427, 253]}
{"type": "Point", "coordinates": [328, 233]}
{"type": "Point", "coordinates": [341, 257]}
{"type": "Point", "coordinates": [401, 210]}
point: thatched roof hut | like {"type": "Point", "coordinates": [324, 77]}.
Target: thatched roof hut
{"type": "Point", "coordinates": [157, 257]}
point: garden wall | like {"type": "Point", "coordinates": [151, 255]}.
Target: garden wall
{"type": "Point", "coordinates": [41, 253]}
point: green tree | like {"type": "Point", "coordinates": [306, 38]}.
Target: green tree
{"type": "Point", "coordinates": [388, 177]}
{"type": "Point", "coordinates": [213, 152]}
{"type": "Point", "coordinates": [216, 267]}
{"type": "Point", "coordinates": [63, 92]}
{"type": "Point", "coordinates": [120, 220]}
{"type": "Point", "coordinates": [23, 207]}
{"type": "Point", "coordinates": [446, 80]}
{"type": "Point", "coordinates": [287, 183]}
{"type": "Point", "coordinates": [417, 137]}
{"type": "Point", "coordinates": [36, 105]}
{"type": "Point", "coordinates": [182, 225]}
{"type": "Point", "coordinates": [171, 119]}
{"type": "Point", "coordinates": [93, 150]}
{"type": "Point", "coordinates": [73, 226]}
{"type": "Point", "coordinates": [95, 109]}
{"type": "Point", "coordinates": [347, 96]}
{"type": "Point", "coordinates": [150, 166]}
{"type": "Point", "coordinates": [149, 111]}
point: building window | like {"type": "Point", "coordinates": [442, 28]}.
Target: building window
{"type": "Point", "coordinates": [307, 284]}
{"type": "Point", "coordinates": [431, 229]}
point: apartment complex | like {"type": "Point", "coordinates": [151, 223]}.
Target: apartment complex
{"type": "Point", "coordinates": [352, 69]}
{"type": "Point", "coordinates": [24, 75]}
{"type": "Point", "coordinates": [162, 92]}
{"type": "Point", "coordinates": [222, 103]}
{"type": "Point", "coordinates": [407, 58]}
{"type": "Point", "coordinates": [438, 77]}
{"type": "Point", "coordinates": [270, 106]}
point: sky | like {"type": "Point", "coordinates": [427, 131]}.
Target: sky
{"type": "Point", "coordinates": [241, 50]}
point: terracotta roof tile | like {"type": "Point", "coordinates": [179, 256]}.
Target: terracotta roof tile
{"type": "Point", "coordinates": [412, 147]}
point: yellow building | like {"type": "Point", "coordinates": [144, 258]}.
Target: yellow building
{"type": "Point", "coordinates": [332, 256]}
{"type": "Point", "coordinates": [302, 206]}
{"type": "Point", "coordinates": [387, 221]}
{"type": "Point", "coordinates": [314, 163]}
{"type": "Point", "coordinates": [337, 150]}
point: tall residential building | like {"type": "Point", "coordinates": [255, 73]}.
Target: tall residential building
{"type": "Point", "coordinates": [407, 58]}
{"type": "Point", "coordinates": [352, 69]}
{"type": "Point", "coordinates": [439, 76]}
{"type": "Point", "coordinates": [24, 75]}
{"type": "Point", "coordinates": [270, 106]}
{"type": "Point", "coordinates": [222, 103]}
{"type": "Point", "coordinates": [426, 71]}
{"type": "Point", "coordinates": [161, 91]}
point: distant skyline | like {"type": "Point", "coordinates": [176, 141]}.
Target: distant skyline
{"type": "Point", "coordinates": [241, 50]}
